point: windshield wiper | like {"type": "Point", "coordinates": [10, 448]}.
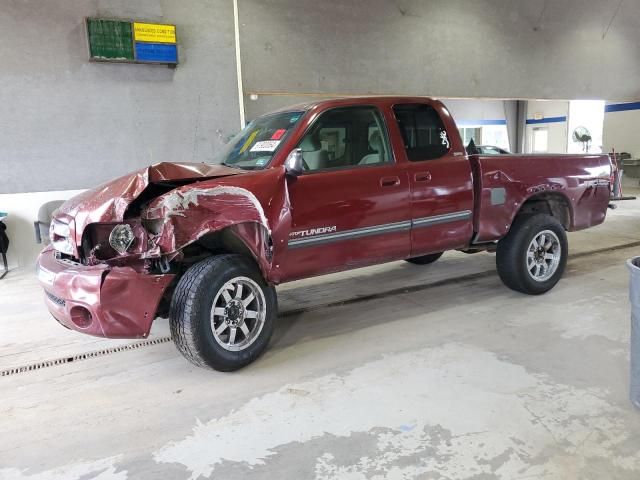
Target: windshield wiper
{"type": "Point", "coordinates": [231, 165]}
{"type": "Point", "coordinates": [234, 165]}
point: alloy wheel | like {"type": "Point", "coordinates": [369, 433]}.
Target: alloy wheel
{"type": "Point", "coordinates": [238, 314]}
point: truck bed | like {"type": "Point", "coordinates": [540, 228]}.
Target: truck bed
{"type": "Point", "coordinates": [503, 183]}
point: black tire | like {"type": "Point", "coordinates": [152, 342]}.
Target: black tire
{"type": "Point", "coordinates": [511, 255]}
{"type": "Point", "coordinates": [191, 309]}
{"type": "Point", "coordinates": [425, 259]}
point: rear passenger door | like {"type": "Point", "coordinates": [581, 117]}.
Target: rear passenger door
{"type": "Point", "coordinates": [440, 181]}
{"type": "Point", "coordinates": [350, 206]}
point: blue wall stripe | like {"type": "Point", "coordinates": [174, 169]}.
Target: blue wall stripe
{"type": "Point", "coordinates": [463, 123]}
{"type": "Point", "coordinates": [532, 121]}
{"type": "Point", "coordinates": [621, 107]}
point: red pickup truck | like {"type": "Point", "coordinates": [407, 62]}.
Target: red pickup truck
{"type": "Point", "coordinates": [304, 191]}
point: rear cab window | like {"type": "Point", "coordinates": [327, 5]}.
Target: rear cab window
{"type": "Point", "coordinates": [423, 132]}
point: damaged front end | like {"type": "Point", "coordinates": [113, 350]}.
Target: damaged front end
{"type": "Point", "coordinates": [102, 274]}
{"type": "Point", "coordinates": [100, 300]}
{"type": "Point", "coordinates": [190, 215]}
{"type": "Point", "coordinates": [104, 224]}
{"type": "Point", "coordinates": [115, 242]}
{"type": "Point", "coordinates": [230, 215]}
{"type": "Point", "coordinates": [118, 250]}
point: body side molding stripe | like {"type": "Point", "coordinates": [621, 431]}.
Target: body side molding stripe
{"type": "Point", "coordinates": [446, 218]}
{"type": "Point", "coordinates": [379, 229]}
{"type": "Point", "coordinates": [350, 234]}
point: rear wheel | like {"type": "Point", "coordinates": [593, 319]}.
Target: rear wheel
{"type": "Point", "coordinates": [222, 313]}
{"type": "Point", "coordinates": [532, 257]}
{"type": "Point", "coordinates": [425, 259]}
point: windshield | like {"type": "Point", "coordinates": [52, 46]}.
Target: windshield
{"type": "Point", "coordinates": [255, 145]}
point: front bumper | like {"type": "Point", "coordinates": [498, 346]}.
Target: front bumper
{"type": "Point", "coordinates": [100, 300]}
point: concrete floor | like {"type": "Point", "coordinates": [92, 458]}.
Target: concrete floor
{"type": "Point", "coordinates": [452, 376]}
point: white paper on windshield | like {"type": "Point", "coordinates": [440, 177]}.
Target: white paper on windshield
{"type": "Point", "coordinates": [265, 146]}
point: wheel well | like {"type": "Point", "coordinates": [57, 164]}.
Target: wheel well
{"type": "Point", "coordinates": [553, 204]}
{"type": "Point", "coordinates": [216, 243]}
{"type": "Point", "coordinates": [221, 242]}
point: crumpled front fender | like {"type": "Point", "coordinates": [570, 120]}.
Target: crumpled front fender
{"type": "Point", "coordinates": [255, 207]}
{"type": "Point", "coordinates": [109, 202]}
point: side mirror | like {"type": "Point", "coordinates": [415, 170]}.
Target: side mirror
{"type": "Point", "coordinates": [294, 163]}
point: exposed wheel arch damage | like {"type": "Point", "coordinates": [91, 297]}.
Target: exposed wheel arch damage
{"type": "Point", "coordinates": [212, 217]}
{"type": "Point", "coordinates": [550, 203]}
{"type": "Point", "coordinates": [248, 239]}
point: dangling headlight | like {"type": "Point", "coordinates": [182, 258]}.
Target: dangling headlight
{"type": "Point", "coordinates": [106, 241]}
{"type": "Point", "coordinates": [121, 238]}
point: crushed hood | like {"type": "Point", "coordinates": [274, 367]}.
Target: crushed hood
{"type": "Point", "coordinates": [109, 201]}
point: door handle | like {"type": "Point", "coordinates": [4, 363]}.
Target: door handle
{"type": "Point", "coordinates": [389, 181]}
{"type": "Point", "coordinates": [422, 177]}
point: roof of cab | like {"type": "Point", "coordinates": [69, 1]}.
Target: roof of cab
{"type": "Point", "coordinates": [354, 101]}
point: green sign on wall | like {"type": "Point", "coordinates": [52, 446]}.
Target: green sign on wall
{"type": "Point", "coordinates": [110, 40]}
{"type": "Point", "coordinates": [132, 41]}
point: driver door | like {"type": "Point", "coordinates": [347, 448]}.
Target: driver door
{"type": "Point", "coordinates": [350, 207]}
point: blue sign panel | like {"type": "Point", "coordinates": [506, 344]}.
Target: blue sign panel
{"type": "Point", "coordinates": [156, 52]}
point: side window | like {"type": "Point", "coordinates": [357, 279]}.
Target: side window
{"type": "Point", "coordinates": [423, 132]}
{"type": "Point", "coordinates": [333, 140]}
{"type": "Point", "coordinates": [470, 133]}
{"type": "Point", "coordinates": [346, 137]}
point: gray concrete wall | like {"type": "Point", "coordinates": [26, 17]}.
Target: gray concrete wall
{"type": "Point", "coordinates": [267, 103]}
{"type": "Point", "coordinates": [620, 131]}
{"type": "Point", "coordinates": [468, 110]}
{"type": "Point", "coordinates": [446, 48]}
{"type": "Point", "coordinates": [66, 123]}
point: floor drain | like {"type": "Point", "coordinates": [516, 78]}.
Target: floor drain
{"type": "Point", "coordinates": [81, 356]}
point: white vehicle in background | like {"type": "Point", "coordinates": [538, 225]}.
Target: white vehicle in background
{"type": "Point", "coordinates": [491, 150]}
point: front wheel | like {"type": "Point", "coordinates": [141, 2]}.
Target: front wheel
{"type": "Point", "coordinates": [222, 313]}
{"type": "Point", "coordinates": [532, 257]}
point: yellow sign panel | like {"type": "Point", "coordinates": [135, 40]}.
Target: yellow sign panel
{"type": "Point", "coordinates": [154, 32]}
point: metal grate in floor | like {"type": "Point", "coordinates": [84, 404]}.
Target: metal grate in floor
{"type": "Point", "coordinates": [81, 356]}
